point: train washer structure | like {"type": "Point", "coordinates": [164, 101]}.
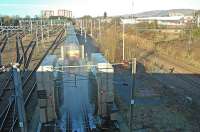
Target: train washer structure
{"type": "Point", "coordinates": [49, 90]}
{"type": "Point", "coordinates": [101, 91]}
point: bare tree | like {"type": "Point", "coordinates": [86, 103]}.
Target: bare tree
{"type": "Point", "coordinates": [197, 18]}
{"type": "Point", "coordinates": [105, 15]}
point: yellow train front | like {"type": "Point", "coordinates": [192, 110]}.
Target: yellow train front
{"type": "Point", "coordinates": [72, 53]}
{"type": "Point", "coordinates": [71, 47]}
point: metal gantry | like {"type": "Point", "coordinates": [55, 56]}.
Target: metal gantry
{"type": "Point", "coordinates": [11, 28]}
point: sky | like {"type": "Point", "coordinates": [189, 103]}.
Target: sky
{"type": "Point", "coordinates": [93, 7]}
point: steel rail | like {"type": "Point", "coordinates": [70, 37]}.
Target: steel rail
{"type": "Point", "coordinates": [25, 103]}
{"type": "Point", "coordinates": [56, 42]}
{"type": "Point", "coordinates": [4, 45]}
{"type": "Point", "coordinates": [46, 53]}
{"type": "Point", "coordinates": [26, 65]}
{"type": "Point", "coordinates": [27, 79]}
{"type": "Point", "coordinates": [10, 77]}
{"type": "Point", "coordinates": [6, 114]}
{"type": "Point", "coordinates": [17, 48]}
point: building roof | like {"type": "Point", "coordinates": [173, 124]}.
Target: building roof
{"type": "Point", "coordinates": [171, 18]}
{"type": "Point", "coordinates": [71, 36]}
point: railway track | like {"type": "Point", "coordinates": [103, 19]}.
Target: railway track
{"type": "Point", "coordinates": [8, 116]}
{"type": "Point", "coordinates": [69, 123]}
{"type": "Point", "coordinates": [85, 119]}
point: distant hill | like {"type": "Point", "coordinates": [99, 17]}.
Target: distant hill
{"type": "Point", "coordinates": [162, 13]}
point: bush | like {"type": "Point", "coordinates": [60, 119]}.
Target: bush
{"type": "Point", "coordinates": [196, 32]}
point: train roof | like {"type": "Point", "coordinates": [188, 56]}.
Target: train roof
{"type": "Point", "coordinates": [71, 37]}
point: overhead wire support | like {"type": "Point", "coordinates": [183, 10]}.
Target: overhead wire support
{"type": "Point", "coordinates": [17, 48]}
{"type": "Point", "coordinates": [56, 41]}
{"type": "Point", "coordinates": [123, 48]}
{"type": "Point", "coordinates": [15, 72]}
{"type": "Point", "coordinates": [19, 98]}
{"type": "Point", "coordinates": [132, 102]}
{"type": "Point", "coordinates": [99, 29]}
{"type": "Point", "coordinates": [91, 28]}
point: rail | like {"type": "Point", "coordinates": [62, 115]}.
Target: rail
{"type": "Point", "coordinates": [8, 109]}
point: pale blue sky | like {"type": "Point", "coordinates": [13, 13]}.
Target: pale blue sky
{"type": "Point", "coordinates": [92, 7]}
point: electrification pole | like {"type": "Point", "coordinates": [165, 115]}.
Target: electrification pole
{"type": "Point", "coordinates": [81, 27]}
{"type": "Point", "coordinates": [132, 92]}
{"type": "Point", "coordinates": [133, 8]}
{"type": "Point", "coordinates": [36, 35]}
{"type": "Point", "coordinates": [123, 41]}
{"type": "Point", "coordinates": [91, 28]}
{"type": "Point", "coordinates": [0, 56]}
{"type": "Point", "coordinates": [51, 23]}
{"type": "Point", "coordinates": [189, 42]}
{"type": "Point", "coordinates": [48, 32]}
{"type": "Point", "coordinates": [99, 29]}
{"type": "Point", "coordinates": [85, 36]}
{"type": "Point", "coordinates": [41, 28]}
{"type": "Point", "coordinates": [19, 98]}
{"type": "Point", "coordinates": [94, 28]}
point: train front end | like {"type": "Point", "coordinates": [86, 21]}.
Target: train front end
{"type": "Point", "coordinates": [72, 52]}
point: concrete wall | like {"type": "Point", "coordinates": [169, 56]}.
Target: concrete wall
{"type": "Point", "coordinates": [105, 92]}
{"type": "Point", "coordinates": [103, 72]}
{"type": "Point", "coordinates": [46, 89]}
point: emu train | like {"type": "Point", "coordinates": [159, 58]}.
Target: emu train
{"type": "Point", "coordinates": [72, 48]}
{"type": "Point", "coordinates": [72, 52]}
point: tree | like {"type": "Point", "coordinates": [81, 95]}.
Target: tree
{"type": "Point", "coordinates": [15, 20]}
{"type": "Point", "coordinates": [154, 24]}
{"type": "Point", "coordinates": [196, 29]}
{"type": "Point", "coordinates": [87, 17]}
{"type": "Point", "coordinates": [197, 18]}
{"type": "Point", "coordinates": [116, 20]}
{"type": "Point", "coordinates": [7, 20]}
{"type": "Point", "coordinates": [27, 17]}
{"type": "Point", "coordinates": [196, 32]}
{"type": "Point", "coordinates": [36, 17]}
{"type": "Point", "coordinates": [105, 15]}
